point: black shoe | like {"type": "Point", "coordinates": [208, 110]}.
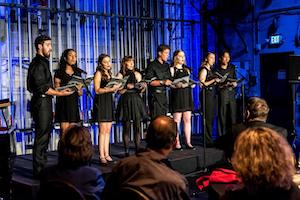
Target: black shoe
{"type": "Point", "coordinates": [190, 147]}
{"type": "Point", "coordinates": [178, 149]}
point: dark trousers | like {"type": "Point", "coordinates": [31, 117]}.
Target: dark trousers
{"type": "Point", "coordinates": [227, 112]}
{"type": "Point", "coordinates": [158, 104]}
{"type": "Point", "coordinates": [41, 109]}
{"type": "Point", "coordinates": [208, 100]}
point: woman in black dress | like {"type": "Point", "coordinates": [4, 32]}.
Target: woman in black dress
{"type": "Point", "coordinates": [67, 107]}
{"type": "Point", "coordinates": [208, 95]}
{"type": "Point", "coordinates": [181, 99]}
{"type": "Point", "coordinates": [130, 105]}
{"type": "Point", "coordinates": [103, 105]}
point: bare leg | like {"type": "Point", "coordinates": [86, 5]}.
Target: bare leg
{"type": "Point", "coordinates": [63, 127]}
{"type": "Point", "coordinates": [106, 143]}
{"type": "Point", "coordinates": [101, 140]}
{"type": "Point", "coordinates": [187, 127]}
{"type": "Point", "coordinates": [177, 118]}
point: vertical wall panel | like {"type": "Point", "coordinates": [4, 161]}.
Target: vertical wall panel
{"type": "Point", "coordinates": [92, 27]}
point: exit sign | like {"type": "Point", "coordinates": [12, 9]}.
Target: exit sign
{"type": "Point", "coordinates": [275, 40]}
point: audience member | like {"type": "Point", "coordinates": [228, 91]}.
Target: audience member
{"type": "Point", "coordinates": [75, 152]}
{"type": "Point", "coordinates": [147, 172]}
{"type": "Point", "coordinates": [265, 163]}
{"type": "Point", "coordinates": [256, 114]}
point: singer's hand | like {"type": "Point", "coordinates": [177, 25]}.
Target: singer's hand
{"type": "Point", "coordinates": [66, 92]}
{"type": "Point", "coordinates": [130, 86]}
{"type": "Point", "coordinates": [168, 82]}
{"type": "Point", "coordinates": [179, 85]}
{"type": "Point", "coordinates": [117, 87]}
{"type": "Point", "coordinates": [79, 86]}
{"type": "Point", "coordinates": [184, 85]}
{"type": "Point", "coordinates": [142, 85]}
{"type": "Point", "coordinates": [217, 80]}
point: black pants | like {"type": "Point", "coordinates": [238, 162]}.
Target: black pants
{"type": "Point", "coordinates": [208, 100]}
{"type": "Point", "coordinates": [41, 109]}
{"type": "Point", "coordinates": [158, 104]}
{"type": "Point", "coordinates": [227, 111]}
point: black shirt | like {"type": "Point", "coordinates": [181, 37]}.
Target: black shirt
{"type": "Point", "coordinates": [158, 71]}
{"type": "Point", "coordinates": [39, 78]}
{"type": "Point", "coordinates": [230, 70]}
{"type": "Point", "coordinates": [227, 93]}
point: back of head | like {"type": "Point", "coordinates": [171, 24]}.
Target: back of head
{"type": "Point", "coordinates": [257, 108]}
{"type": "Point", "coordinates": [263, 159]}
{"type": "Point", "coordinates": [161, 133]}
{"type": "Point", "coordinates": [40, 40]}
{"type": "Point", "coordinates": [75, 147]}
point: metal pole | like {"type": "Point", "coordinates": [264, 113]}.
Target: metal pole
{"type": "Point", "coordinates": [59, 36]}
{"type": "Point", "coordinates": [21, 85]}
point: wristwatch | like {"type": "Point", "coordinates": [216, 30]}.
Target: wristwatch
{"type": "Point", "coordinates": [161, 82]}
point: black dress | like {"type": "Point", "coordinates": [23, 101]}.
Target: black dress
{"type": "Point", "coordinates": [130, 105]}
{"type": "Point", "coordinates": [67, 107]}
{"type": "Point", "coordinates": [181, 99]}
{"type": "Point", "coordinates": [208, 104]}
{"type": "Point", "coordinates": [103, 105]}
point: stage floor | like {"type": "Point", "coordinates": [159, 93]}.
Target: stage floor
{"type": "Point", "coordinates": [187, 162]}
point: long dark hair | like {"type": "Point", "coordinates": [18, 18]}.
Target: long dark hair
{"type": "Point", "coordinates": [63, 61]}
{"type": "Point", "coordinates": [100, 67]}
{"type": "Point", "coordinates": [123, 70]}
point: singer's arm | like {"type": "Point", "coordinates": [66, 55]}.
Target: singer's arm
{"type": "Point", "coordinates": [202, 79]}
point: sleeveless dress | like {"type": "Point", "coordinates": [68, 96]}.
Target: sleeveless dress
{"type": "Point", "coordinates": [103, 105]}
{"type": "Point", "coordinates": [130, 105]}
{"type": "Point", "coordinates": [208, 105]}
{"type": "Point", "coordinates": [67, 107]}
{"type": "Point", "coordinates": [181, 99]}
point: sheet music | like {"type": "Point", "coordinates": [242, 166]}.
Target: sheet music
{"type": "Point", "coordinates": [79, 80]}
{"type": "Point", "coordinates": [71, 86]}
{"type": "Point", "coordinates": [115, 81]}
{"type": "Point", "coordinates": [185, 79]}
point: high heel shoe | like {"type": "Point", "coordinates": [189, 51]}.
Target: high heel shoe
{"type": "Point", "coordinates": [109, 159]}
{"type": "Point", "coordinates": [190, 147]}
{"type": "Point", "coordinates": [178, 148]}
{"type": "Point", "coordinates": [103, 161]}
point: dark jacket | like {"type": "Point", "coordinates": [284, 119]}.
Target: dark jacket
{"type": "Point", "coordinates": [88, 180]}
